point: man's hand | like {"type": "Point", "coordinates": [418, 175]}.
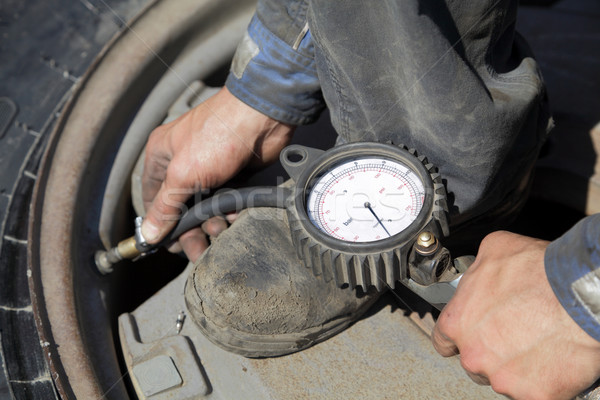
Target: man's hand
{"type": "Point", "coordinates": [203, 149]}
{"type": "Point", "coordinates": [509, 328]}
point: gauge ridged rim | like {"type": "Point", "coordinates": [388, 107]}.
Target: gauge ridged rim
{"type": "Point", "coordinates": [364, 268]}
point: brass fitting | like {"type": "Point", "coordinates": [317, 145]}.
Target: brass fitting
{"type": "Point", "coordinates": [426, 243]}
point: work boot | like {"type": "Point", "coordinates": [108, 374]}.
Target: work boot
{"type": "Point", "coordinates": [251, 295]}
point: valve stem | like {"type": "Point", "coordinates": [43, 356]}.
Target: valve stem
{"type": "Point", "coordinates": [124, 250]}
{"type": "Point", "coordinates": [128, 249]}
{"type": "Point", "coordinates": [179, 322]}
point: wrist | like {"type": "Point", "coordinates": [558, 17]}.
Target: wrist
{"type": "Point", "coordinates": [262, 135]}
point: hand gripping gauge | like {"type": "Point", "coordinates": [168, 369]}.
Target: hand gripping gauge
{"type": "Point", "coordinates": [357, 210]}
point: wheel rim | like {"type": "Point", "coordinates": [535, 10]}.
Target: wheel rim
{"type": "Point", "coordinates": [73, 306]}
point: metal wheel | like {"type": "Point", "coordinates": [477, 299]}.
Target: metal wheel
{"type": "Point", "coordinates": [168, 47]}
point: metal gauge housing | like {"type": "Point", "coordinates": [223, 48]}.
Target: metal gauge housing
{"type": "Point", "coordinates": [358, 208]}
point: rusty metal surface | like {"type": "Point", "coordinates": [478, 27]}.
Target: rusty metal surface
{"type": "Point", "coordinates": [70, 302]}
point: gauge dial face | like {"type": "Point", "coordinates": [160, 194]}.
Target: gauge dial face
{"type": "Point", "coordinates": [365, 199]}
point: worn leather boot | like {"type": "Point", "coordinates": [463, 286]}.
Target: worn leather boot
{"type": "Point", "coordinates": [251, 295]}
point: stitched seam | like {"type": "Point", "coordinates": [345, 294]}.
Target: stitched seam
{"type": "Point", "coordinates": [583, 304]}
{"type": "Point", "coordinates": [301, 36]}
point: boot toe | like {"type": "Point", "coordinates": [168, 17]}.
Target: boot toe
{"type": "Point", "coordinates": [250, 294]}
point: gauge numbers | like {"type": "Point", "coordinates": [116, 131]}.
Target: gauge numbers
{"type": "Point", "coordinates": [365, 199]}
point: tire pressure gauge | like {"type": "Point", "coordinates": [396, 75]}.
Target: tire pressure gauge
{"type": "Point", "coordinates": [357, 209]}
{"type": "Point", "coordinates": [363, 214]}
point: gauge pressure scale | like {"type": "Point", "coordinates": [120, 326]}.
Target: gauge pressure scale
{"type": "Point", "coordinates": [358, 208]}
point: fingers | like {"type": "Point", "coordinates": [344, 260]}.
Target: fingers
{"type": "Point", "coordinates": [166, 185]}
{"type": "Point", "coordinates": [165, 210]}
{"type": "Point", "coordinates": [442, 343]}
{"type": "Point", "coordinates": [214, 226]}
{"type": "Point", "coordinates": [449, 338]}
{"type": "Point", "coordinates": [478, 378]}
{"type": "Point", "coordinates": [162, 203]}
{"type": "Point", "coordinates": [232, 217]}
{"type": "Point", "coordinates": [157, 155]}
{"type": "Point", "coordinates": [472, 363]}
{"type": "Point", "coordinates": [194, 243]}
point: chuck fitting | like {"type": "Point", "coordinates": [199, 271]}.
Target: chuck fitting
{"type": "Point", "coordinates": [128, 249]}
{"type": "Point", "coordinates": [428, 259]}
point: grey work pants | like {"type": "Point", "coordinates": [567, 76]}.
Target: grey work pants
{"type": "Point", "coordinates": [451, 79]}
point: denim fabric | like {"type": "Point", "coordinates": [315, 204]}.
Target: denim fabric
{"type": "Point", "coordinates": [284, 18]}
{"type": "Point", "coordinates": [573, 268]}
{"type": "Point", "coordinates": [278, 81]}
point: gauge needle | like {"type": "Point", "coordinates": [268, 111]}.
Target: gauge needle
{"type": "Point", "coordinates": [368, 205]}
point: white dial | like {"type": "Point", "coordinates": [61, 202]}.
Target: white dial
{"type": "Point", "coordinates": [365, 199]}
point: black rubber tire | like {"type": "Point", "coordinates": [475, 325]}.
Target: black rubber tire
{"type": "Point", "coordinates": [45, 47]}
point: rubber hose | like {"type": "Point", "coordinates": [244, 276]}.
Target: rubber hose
{"type": "Point", "coordinates": [231, 200]}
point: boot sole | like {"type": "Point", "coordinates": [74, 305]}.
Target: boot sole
{"type": "Point", "coordinates": [258, 346]}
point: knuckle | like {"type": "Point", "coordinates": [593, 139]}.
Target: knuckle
{"type": "Point", "coordinates": [491, 238]}
{"type": "Point", "coordinates": [492, 245]}
{"type": "Point", "coordinates": [166, 207]}
{"type": "Point", "coordinates": [471, 362]}
{"type": "Point", "coordinates": [170, 207]}
{"type": "Point", "coordinates": [154, 138]}
{"type": "Point", "coordinates": [442, 344]}
{"type": "Point", "coordinates": [499, 384]}
{"type": "Point", "coordinates": [176, 175]}
{"type": "Point", "coordinates": [447, 322]}
{"type": "Point", "coordinates": [157, 214]}
{"type": "Point", "coordinates": [153, 170]}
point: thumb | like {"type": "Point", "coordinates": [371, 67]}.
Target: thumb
{"type": "Point", "coordinates": [166, 209]}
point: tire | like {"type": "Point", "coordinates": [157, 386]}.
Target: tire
{"type": "Point", "coordinates": [74, 309]}
{"type": "Point", "coordinates": [46, 47]}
